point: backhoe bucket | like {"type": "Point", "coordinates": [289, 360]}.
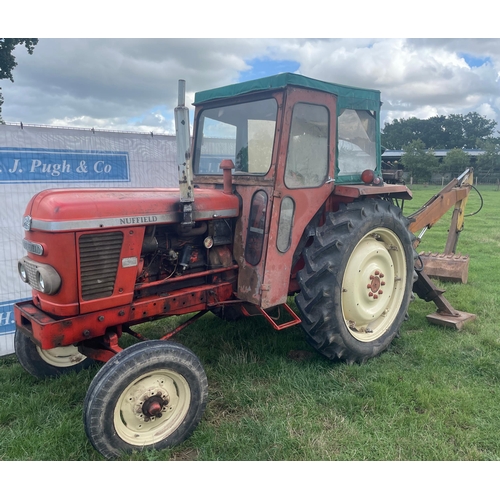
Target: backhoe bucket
{"type": "Point", "coordinates": [446, 267]}
{"type": "Point", "coordinates": [446, 315]}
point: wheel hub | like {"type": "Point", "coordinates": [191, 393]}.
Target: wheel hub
{"type": "Point", "coordinates": [162, 381]}
{"type": "Point", "coordinates": [375, 285]}
{"type": "Point", "coordinates": [153, 406]}
{"type": "Point", "coordinates": [372, 288]}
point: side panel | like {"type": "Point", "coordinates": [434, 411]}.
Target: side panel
{"type": "Point", "coordinates": [306, 200]}
{"type": "Point", "coordinates": [250, 276]}
{"type": "Point", "coordinates": [98, 269]}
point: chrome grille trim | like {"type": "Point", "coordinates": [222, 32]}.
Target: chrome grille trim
{"type": "Point", "coordinates": [83, 225]}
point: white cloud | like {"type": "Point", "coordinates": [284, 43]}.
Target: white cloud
{"type": "Point", "coordinates": [487, 110]}
{"type": "Point", "coordinates": [131, 84]}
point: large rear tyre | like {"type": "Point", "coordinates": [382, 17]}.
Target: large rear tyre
{"type": "Point", "coordinates": [149, 396]}
{"type": "Point", "coordinates": [43, 363]}
{"type": "Point", "coordinates": [357, 281]}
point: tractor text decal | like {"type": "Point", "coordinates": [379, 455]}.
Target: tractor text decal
{"type": "Point", "coordinates": [47, 165]}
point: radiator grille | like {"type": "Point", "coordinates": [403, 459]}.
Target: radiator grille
{"type": "Point", "coordinates": [99, 259]}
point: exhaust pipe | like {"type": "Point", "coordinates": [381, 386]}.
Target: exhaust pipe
{"type": "Point", "coordinates": [183, 138]}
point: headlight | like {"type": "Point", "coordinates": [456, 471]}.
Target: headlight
{"type": "Point", "coordinates": [41, 277]}
{"type": "Point", "coordinates": [22, 272]}
{"type": "Point", "coordinates": [48, 280]}
{"type": "Point", "coordinates": [39, 280]}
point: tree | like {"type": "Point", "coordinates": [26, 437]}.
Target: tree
{"type": "Point", "coordinates": [455, 160]}
{"type": "Point", "coordinates": [419, 162]}
{"type": "Point", "coordinates": [488, 164]}
{"type": "Point", "coordinates": [440, 132]}
{"type": "Point", "coordinates": [475, 128]}
{"type": "Point", "coordinates": [8, 60]}
{"type": "Point", "coordinates": [400, 132]}
{"type": "Point", "coordinates": [434, 132]}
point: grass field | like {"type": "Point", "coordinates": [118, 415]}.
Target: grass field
{"type": "Point", "coordinates": [434, 395]}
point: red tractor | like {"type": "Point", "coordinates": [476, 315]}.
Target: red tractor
{"type": "Point", "coordinates": [280, 195]}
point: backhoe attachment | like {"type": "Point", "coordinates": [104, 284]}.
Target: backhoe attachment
{"type": "Point", "coordinates": [446, 314]}
{"type": "Point", "coordinates": [446, 266]}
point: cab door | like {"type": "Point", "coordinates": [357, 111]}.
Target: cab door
{"type": "Point", "coordinates": [304, 181]}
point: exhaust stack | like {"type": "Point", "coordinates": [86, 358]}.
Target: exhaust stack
{"type": "Point", "coordinates": [183, 137]}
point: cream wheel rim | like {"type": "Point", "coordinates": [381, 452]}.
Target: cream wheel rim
{"type": "Point", "coordinates": [373, 286]}
{"type": "Point", "coordinates": [152, 407]}
{"type": "Point", "coordinates": [61, 357]}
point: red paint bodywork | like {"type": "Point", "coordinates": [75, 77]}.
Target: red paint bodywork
{"type": "Point", "coordinates": [73, 205]}
{"type": "Point", "coordinates": [48, 332]}
{"type": "Point", "coordinates": [61, 217]}
{"type": "Point", "coordinates": [57, 214]}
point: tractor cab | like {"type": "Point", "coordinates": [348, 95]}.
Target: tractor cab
{"type": "Point", "coordinates": [292, 141]}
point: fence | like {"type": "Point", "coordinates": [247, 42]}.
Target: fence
{"type": "Point", "coordinates": [33, 158]}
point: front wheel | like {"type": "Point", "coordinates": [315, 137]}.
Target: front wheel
{"type": "Point", "coordinates": [357, 281]}
{"type": "Point", "coordinates": [43, 363]}
{"type": "Point", "coordinates": [149, 396]}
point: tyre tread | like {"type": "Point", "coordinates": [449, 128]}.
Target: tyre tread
{"type": "Point", "coordinates": [145, 354]}
{"type": "Point", "coordinates": [320, 282]}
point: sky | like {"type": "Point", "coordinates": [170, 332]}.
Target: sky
{"type": "Point", "coordinates": [130, 84]}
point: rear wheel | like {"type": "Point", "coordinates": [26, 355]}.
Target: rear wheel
{"type": "Point", "coordinates": [357, 281]}
{"type": "Point", "coordinates": [149, 396]}
{"type": "Point", "coordinates": [42, 363]}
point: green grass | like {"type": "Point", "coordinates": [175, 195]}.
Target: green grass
{"type": "Point", "coordinates": [433, 395]}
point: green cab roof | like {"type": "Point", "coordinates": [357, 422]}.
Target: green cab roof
{"type": "Point", "coordinates": [347, 97]}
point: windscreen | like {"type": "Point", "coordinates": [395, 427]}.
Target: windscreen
{"type": "Point", "coordinates": [243, 133]}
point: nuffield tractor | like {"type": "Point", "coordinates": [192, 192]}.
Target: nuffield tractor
{"type": "Point", "coordinates": [280, 194]}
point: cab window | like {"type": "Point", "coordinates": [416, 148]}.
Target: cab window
{"type": "Point", "coordinates": [307, 158]}
{"type": "Point", "coordinates": [357, 141]}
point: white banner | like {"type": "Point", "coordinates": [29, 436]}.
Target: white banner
{"type": "Point", "coordinates": [36, 158]}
